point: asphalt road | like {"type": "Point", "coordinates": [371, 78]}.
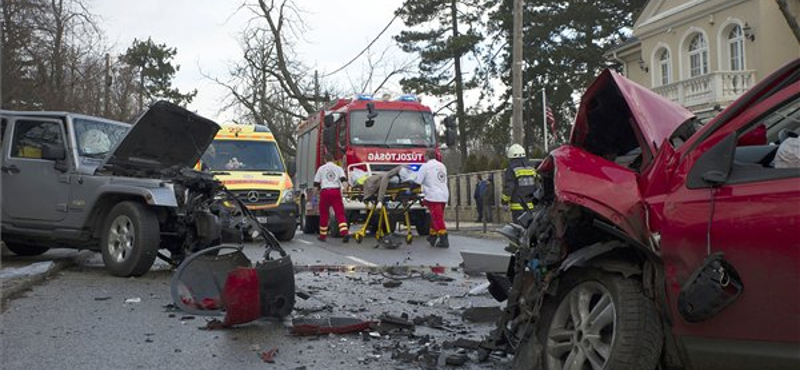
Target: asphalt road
{"type": "Point", "coordinates": [307, 250]}
{"type": "Point", "coordinates": [78, 318]}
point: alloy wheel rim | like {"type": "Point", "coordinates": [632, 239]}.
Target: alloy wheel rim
{"type": "Point", "coordinates": [121, 238]}
{"type": "Point", "coordinates": [581, 333]}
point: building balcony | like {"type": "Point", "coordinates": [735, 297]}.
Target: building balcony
{"type": "Point", "coordinates": [721, 87]}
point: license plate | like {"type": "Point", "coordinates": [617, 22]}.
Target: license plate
{"type": "Point", "coordinates": [262, 219]}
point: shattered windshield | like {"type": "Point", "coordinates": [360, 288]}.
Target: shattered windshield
{"type": "Point", "coordinates": [393, 128]}
{"type": "Point", "coordinates": [96, 138]}
{"type": "Point", "coordinates": [234, 155]}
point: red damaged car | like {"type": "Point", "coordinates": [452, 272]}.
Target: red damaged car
{"type": "Point", "coordinates": [658, 242]}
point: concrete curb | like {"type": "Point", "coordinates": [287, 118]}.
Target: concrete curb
{"type": "Point", "coordinates": [14, 287]}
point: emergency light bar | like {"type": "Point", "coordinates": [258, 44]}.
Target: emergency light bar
{"type": "Point", "coordinates": [364, 97]}
{"type": "Point", "coordinates": [407, 97]}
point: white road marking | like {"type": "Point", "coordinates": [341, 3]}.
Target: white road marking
{"type": "Point", "coordinates": [304, 241]}
{"type": "Point", "coordinates": [363, 262]}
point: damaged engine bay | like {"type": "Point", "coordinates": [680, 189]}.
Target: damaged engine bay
{"type": "Point", "coordinates": [207, 214]}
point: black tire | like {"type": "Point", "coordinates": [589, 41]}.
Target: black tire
{"type": "Point", "coordinates": [632, 341]}
{"type": "Point", "coordinates": [286, 235]}
{"type": "Point", "coordinates": [422, 222]}
{"type": "Point", "coordinates": [135, 224]}
{"type": "Point", "coordinates": [309, 224]}
{"type": "Point", "coordinates": [26, 250]}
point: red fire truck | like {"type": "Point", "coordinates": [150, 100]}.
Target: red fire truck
{"type": "Point", "coordinates": [372, 135]}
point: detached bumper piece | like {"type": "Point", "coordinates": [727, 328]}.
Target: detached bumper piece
{"type": "Point", "coordinates": [209, 283]}
{"type": "Point", "coordinates": [264, 291]}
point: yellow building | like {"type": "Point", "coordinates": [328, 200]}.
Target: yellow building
{"type": "Point", "coordinates": [704, 54]}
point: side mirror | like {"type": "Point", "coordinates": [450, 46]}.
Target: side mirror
{"type": "Point", "coordinates": [371, 113]}
{"type": "Point", "coordinates": [450, 131]}
{"type": "Point", "coordinates": [291, 169]}
{"type": "Point", "coordinates": [329, 121]}
{"type": "Point", "coordinates": [329, 137]}
{"type": "Point", "coordinates": [715, 178]}
{"type": "Point", "coordinates": [53, 152]}
{"type": "Point", "coordinates": [450, 137]}
{"type": "Point", "coordinates": [714, 166]}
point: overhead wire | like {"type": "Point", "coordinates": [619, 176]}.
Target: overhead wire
{"type": "Point", "coordinates": [364, 50]}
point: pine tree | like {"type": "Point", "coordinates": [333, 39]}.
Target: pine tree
{"type": "Point", "coordinates": [451, 30]}
{"type": "Point", "coordinates": [156, 72]}
{"type": "Point", "coordinates": [564, 42]}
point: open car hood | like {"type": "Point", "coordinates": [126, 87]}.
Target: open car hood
{"type": "Point", "coordinates": [614, 105]}
{"type": "Point", "coordinates": [165, 135]}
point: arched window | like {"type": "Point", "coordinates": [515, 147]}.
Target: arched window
{"type": "Point", "coordinates": [736, 48]}
{"type": "Point", "coordinates": [664, 67]}
{"type": "Point", "coordinates": [698, 56]}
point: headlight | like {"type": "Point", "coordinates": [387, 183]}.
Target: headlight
{"type": "Point", "coordinates": [288, 196]}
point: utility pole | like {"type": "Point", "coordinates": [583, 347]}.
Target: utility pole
{"type": "Point", "coordinates": [2, 41]}
{"type": "Point", "coordinates": [316, 90]}
{"type": "Point", "coordinates": [107, 87]}
{"type": "Point", "coordinates": [516, 76]}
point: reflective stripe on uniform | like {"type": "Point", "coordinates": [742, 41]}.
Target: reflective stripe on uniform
{"type": "Point", "coordinates": [524, 171]}
{"type": "Point", "coordinates": [343, 227]}
{"type": "Point", "coordinates": [518, 206]}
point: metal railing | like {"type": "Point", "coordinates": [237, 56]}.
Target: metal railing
{"type": "Point", "coordinates": [461, 206]}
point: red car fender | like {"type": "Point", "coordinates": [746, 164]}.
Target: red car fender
{"type": "Point", "coordinates": [601, 186]}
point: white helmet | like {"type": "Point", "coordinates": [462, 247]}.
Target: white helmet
{"type": "Point", "coordinates": [515, 151]}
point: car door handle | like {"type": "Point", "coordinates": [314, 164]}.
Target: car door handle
{"type": "Point", "coordinates": [12, 169]}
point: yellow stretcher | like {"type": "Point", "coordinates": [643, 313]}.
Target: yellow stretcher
{"type": "Point", "coordinates": [399, 198]}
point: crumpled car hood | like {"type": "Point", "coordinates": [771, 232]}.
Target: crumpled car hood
{"type": "Point", "coordinates": [166, 135]}
{"type": "Point", "coordinates": [655, 116]}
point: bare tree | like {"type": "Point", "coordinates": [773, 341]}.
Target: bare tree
{"type": "Point", "coordinates": [267, 85]}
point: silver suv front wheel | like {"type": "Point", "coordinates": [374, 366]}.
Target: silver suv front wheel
{"type": "Point", "coordinates": [131, 237]}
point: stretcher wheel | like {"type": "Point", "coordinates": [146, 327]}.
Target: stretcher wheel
{"type": "Point", "coordinates": [358, 238]}
{"type": "Point", "coordinates": [409, 239]}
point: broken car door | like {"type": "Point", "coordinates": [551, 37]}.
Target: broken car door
{"type": "Point", "coordinates": [738, 204]}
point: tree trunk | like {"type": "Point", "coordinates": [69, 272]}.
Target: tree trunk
{"type": "Point", "coordinates": [462, 122]}
{"type": "Point", "coordinates": [288, 79]}
{"type": "Point", "coordinates": [791, 19]}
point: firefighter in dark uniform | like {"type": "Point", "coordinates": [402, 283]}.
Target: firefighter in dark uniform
{"type": "Point", "coordinates": [519, 182]}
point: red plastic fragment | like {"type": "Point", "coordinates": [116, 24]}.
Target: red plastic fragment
{"type": "Point", "coordinates": [329, 326]}
{"type": "Point", "coordinates": [268, 356]}
{"type": "Point", "coordinates": [241, 297]}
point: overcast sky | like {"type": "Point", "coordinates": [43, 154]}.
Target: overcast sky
{"type": "Point", "coordinates": [205, 32]}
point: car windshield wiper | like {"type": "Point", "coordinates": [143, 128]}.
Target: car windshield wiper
{"type": "Point", "coordinates": [268, 173]}
{"type": "Point", "coordinates": [389, 132]}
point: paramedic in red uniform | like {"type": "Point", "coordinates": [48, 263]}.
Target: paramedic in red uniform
{"type": "Point", "coordinates": [433, 177]}
{"type": "Point", "coordinates": [329, 179]}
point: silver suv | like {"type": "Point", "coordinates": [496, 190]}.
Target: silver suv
{"type": "Point", "coordinates": [77, 181]}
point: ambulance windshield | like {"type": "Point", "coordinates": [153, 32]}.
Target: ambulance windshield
{"type": "Point", "coordinates": [235, 155]}
{"type": "Point", "coordinates": [393, 128]}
